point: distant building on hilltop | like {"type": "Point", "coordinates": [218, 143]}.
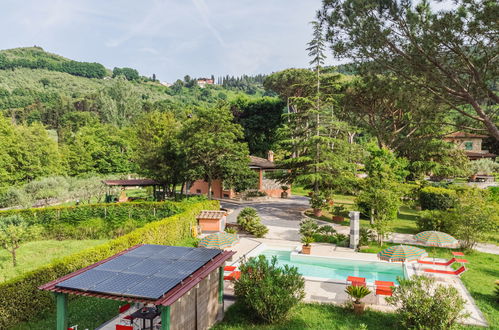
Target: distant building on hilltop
{"type": "Point", "coordinates": [202, 82]}
{"type": "Point", "coordinates": [470, 143]}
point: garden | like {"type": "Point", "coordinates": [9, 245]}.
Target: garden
{"type": "Point", "coordinates": [42, 244]}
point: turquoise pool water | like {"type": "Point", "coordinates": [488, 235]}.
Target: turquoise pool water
{"type": "Point", "coordinates": [338, 269]}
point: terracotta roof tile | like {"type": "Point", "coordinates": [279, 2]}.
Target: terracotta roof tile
{"type": "Point", "coordinates": [261, 162]}
{"type": "Point", "coordinates": [211, 215]}
{"type": "Point", "coordinates": [465, 135]}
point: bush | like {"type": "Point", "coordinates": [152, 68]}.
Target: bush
{"type": "Point", "coordinates": [436, 220]}
{"type": "Point", "coordinates": [21, 294]}
{"type": "Point", "coordinates": [366, 236]}
{"type": "Point", "coordinates": [432, 198]}
{"type": "Point", "coordinates": [250, 221]}
{"type": "Point", "coordinates": [267, 290]}
{"type": "Point", "coordinates": [14, 197]}
{"type": "Point", "coordinates": [493, 194]}
{"type": "Point", "coordinates": [423, 304]}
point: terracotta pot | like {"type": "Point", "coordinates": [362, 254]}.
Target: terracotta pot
{"type": "Point", "coordinates": [359, 308]}
{"type": "Point", "coordinates": [306, 249]}
{"type": "Point", "coordinates": [338, 219]}
{"type": "Point", "coordinates": [284, 194]}
{"type": "Point", "coordinates": [317, 212]}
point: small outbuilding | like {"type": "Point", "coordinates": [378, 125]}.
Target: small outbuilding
{"type": "Point", "coordinates": [180, 287]}
{"type": "Point", "coordinates": [212, 221]}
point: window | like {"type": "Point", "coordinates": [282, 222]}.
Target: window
{"type": "Point", "coordinates": [198, 191]}
{"type": "Point", "coordinates": [468, 145]}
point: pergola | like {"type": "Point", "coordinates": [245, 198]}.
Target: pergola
{"type": "Point", "coordinates": [133, 183]}
{"type": "Point", "coordinates": [148, 274]}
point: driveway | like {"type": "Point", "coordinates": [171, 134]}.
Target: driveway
{"type": "Point", "coordinates": [281, 216]}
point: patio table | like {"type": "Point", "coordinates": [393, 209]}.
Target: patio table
{"type": "Point", "coordinates": [150, 313]}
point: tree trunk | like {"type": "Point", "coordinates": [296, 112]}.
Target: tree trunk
{"type": "Point", "coordinates": [371, 218]}
{"type": "Point", "coordinates": [209, 189]}
{"type": "Point", "coordinates": [14, 260]}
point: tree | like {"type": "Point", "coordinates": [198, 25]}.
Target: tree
{"type": "Point", "coordinates": [380, 195]}
{"type": "Point", "coordinates": [120, 103]}
{"type": "Point", "coordinates": [13, 232]}
{"type": "Point", "coordinates": [260, 119]}
{"type": "Point", "coordinates": [450, 53]}
{"type": "Point", "coordinates": [128, 73]}
{"type": "Point", "coordinates": [159, 152]}
{"type": "Point", "coordinates": [424, 304]}
{"type": "Point", "coordinates": [213, 146]}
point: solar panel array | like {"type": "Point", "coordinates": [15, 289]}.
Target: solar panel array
{"type": "Point", "coordinates": [148, 271]}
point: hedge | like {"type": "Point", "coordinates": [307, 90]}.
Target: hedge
{"type": "Point", "coordinates": [433, 198]}
{"type": "Point", "coordinates": [20, 299]}
{"type": "Point", "coordinates": [112, 212]}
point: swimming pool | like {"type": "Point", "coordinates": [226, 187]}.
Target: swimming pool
{"type": "Point", "coordinates": [336, 269]}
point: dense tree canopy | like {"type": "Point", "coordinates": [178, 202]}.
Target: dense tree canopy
{"type": "Point", "coordinates": [450, 53]}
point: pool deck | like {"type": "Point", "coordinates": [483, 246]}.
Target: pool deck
{"type": "Point", "coordinates": [334, 292]}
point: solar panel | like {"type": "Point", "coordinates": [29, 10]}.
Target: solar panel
{"type": "Point", "coordinates": [118, 283]}
{"type": "Point", "coordinates": [148, 271]}
{"type": "Point", "coordinates": [201, 254]}
{"type": "Point", "coordinates": [120, 263]}
{"type": "Point", "coordinates": [86, 279]}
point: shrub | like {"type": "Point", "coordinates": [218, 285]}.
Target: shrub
{"type": "Point", "coordinates": [13, 197]}
{"type": "Point", "coordinates": [21, 294]}
{"type": "Point", "coordinates": [493, 194]}
{"type": "Point", "coordinates": [366, 236]}
{"type": "Point", "coordinates": [423, 304]}
{"type": "Point", "coordinates": [432, 198]}
{"type": "Point", "coordinates": [231, 230]}
{"type": "Point", "coordinates": [357, 292]}
{"type": "Point", "coordinates": [250, 221]}
{"type": "Point", "coordinates": [484, 166]}
{"type": "Point", "coordinates": [14, 231]}
{"type": "Point", "coordinates": [267, 290]}
{"type": "Point", "coordinates": [308, 230]}
{"type": "Point", "coordinates": [436, 220]}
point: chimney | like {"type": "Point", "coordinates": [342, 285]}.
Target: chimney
{"type": "Point", "coordinates": [270, 156]}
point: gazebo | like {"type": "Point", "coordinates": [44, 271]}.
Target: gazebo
{"type": "Point", "coordinates": [134, 183]}
{"type": "Point", "coordinates": [156, 275]}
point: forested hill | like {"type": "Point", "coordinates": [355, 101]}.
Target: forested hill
{"type": "Point", "coordinates": [37, 86]}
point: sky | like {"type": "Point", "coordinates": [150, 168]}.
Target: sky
{"type": "Point", "coordinates": [171, 38]}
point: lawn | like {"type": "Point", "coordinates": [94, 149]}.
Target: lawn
{"type": "Point", "coordinates": [86, 312]}
{"type": "Point", "coordinates": [310, 316]}
{"type": "Point", "coordinates": [479, 279]}
{"type": "Point", "coordinates": [37, 253]}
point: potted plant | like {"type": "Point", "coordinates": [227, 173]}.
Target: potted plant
{"type": "Point", "coordinates": [357, 292]}
{"type": "Point", "coordinates": [308, 228]}
{"type": "Point", "coordinates": [339, 213]}
{"type": "Point", "coordinates": [306, 248]}
{"type": "Point", "coordinates": [284, 193]}
{"type": "Point", "coordinates": [317, 202]}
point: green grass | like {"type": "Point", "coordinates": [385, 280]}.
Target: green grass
{"type": "Point", "coordinates": [479, 279]}
{"type": "Point", "coordinates": [37, 253]}
{"type": "Point", "coordinates": [405, 222]}
{"type": "Point", "coordinates": [87, 313]}
{"type": "Point", "coordinates": [310, 316]}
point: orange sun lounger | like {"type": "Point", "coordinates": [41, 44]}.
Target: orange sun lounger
{"type": "Point", "coordinates": [448, 263]}
{"type": "Point", "coordinates": [233, 276]}
{"type": "Point", "coordinates": [457, 272]}
{"type": "Point", "coordinates": [357, 281]}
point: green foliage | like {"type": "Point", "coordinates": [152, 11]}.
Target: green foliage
{"type": "Point", "coordinates": [493, 194]}
{"type": "Point", "coordinates": [37, 58]}
{"type": "Point", "coordinates": [308, 228]}
{"type": "Point", "coordinates": [318, 201]}
{"type": "Point", "coordinates": [129, 73]}
{"type": "Point", "coordinates": [433, 198]}
{"type": "Point", "coordinates": [14, 231]}
{"type": "Point", "coordinates": [231, 230]}
{"type": "Point", "coordinates": [484, 166]}
{"type": "Point", "coordinates": [96, 220]}
{"type": "Point", "coordinates": [366, 236]}
{"type": "Point", "coordinates": [438, 220]}
{"type": "Point", "coordinates": [21, 294]}
{"type": "Point", "coordinates": [423, 304]}
{"type": "Point", "coordinates": [267, 290]}
{"type": "Point", "coordinates": [250, 221]}
{"type": "Point", "coordinates": [213, 147]}
{"type": "Point", "coordinates": [357, 292]}
{"type": "Point", "coordinates": [260, 119]}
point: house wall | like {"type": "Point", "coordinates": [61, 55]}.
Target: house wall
{"type": "Point", "coordinates": [460, 142]}
{"type": "Point", "coordinates": [198, 308]}
{"type": "Point", "coordinates": [212, 224]}
{"type": "Point", "coordinates": [271, 187]}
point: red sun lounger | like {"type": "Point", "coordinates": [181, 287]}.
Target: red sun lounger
{"type": "Point", "coordinates": [457, 272]}
{"type": "Point", "coordinates": [447, 263]}
{"type": "Point", "coordinates": [229, 268]}
{"type": "Point", "coordinates": [233, 276]}
{"type": "Point", "coordinates": [384, 288]}
{"type": "Point", "coordinates": [356, 281]}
